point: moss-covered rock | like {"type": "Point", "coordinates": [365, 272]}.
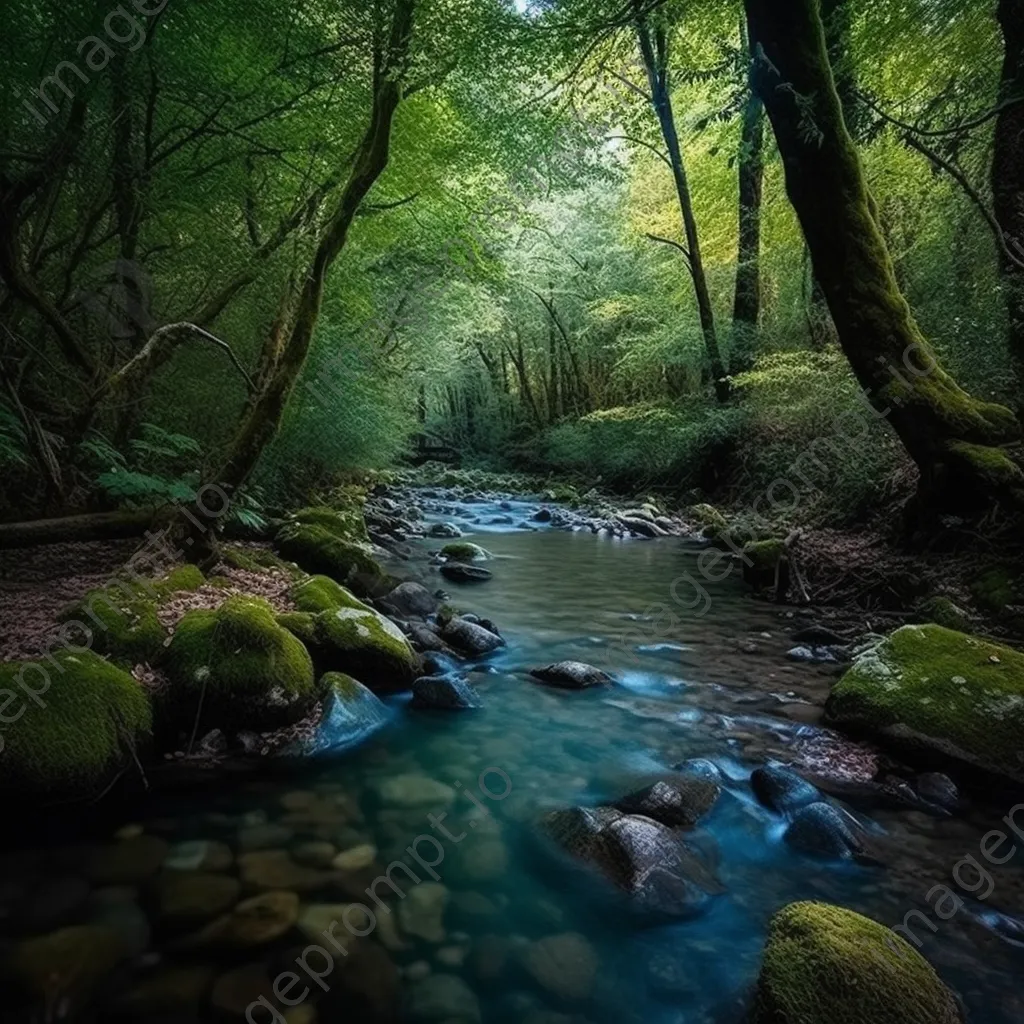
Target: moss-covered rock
{"type": "Point", "coordinates": [995, 589]}
{"type": "Point", "coordinates": [944, 612]}
{"type": "Point", "coordinates": [940, 691]}
{"type": "Point", "coordinates": [347, 523]}
{"type": "Point", "coordinates": [121, 618]}
{"type": "Point", "coordinates": [761, 561]}
{"type": "Point", "coordinates": [325, 543]}
{"type": "Point", "coordinates": [89, 718]}
{"type": "Point", "coordinates": [358, 642]}
{"type": "Point", "coordinates": [240, 668]}
{"type": "Point", "coordinates": [711, 522]}
{"type": "Point", "coordinates": [322, 594]}
{"type": "Point", "coordinates": [826, 965]}
{"type": "Point", "coordinates": [463, 551]}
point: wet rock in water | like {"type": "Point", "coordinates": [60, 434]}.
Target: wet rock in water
{"type": "Point", "coordinates": [659, 872]}
{"type": "Point", "coordinates": [670, 977]}
{"type": "Point", "coordinates": [484, 860]}
{"type": "Point", "coordinates": [444, 693]}
{"type": "Point", "coordinates": [948, 694]}
{"type": "Point", "coordinates": [128, 862]}
{"type": "Point", "coordinates": [820, 830]}
{"type": "Point", "coordinates": [263, 836]}
{"type": "Point", "coordinates": [234, 992]}
{"type": "Point", "coordinates": [254, 922]}
{"type": "Point", "coordinates": [824, 965]}
{"type": "Point", "coordinates": [275, 869]}
{"type": "Point", "coordinates": [351, 713]}
{"type": "Point", "coordinates": [357, 857]}
{"type": "Point", "coordinates": [542, 515]}
{"type": "Point", "coordinates": [443, 530]}
{"type": "Point", "coordinates": [814, 655]}
{"type": "Point", "coordinates": [53, 903]}
{"type": "Point", "coordinates": [458, 572]}
{"type": "Point", "coordinates": [489, 957]}
{"type": "Point", "coordinates": [168, 989]}
{"type": "Point", "coordinates": [443, 997]}
{"type": "Point", "coordinates": [470, 638]}
{"type": "Point", "coordinates": [336, 919]}
{"type": "Point", "coordinates": [199, 855]}
{"type": "Point", "coordinates": [66, 966]}
{"type": "Point", "coordinates": [371, 985]}
{"type": "Point", "coordinates": [424, 638]}
{"type": "Point", "coordinates": [412, 600]}
{"type": "Point", "coordinates": [189, 898]}
{"type": "Point", "coordinates": [414, 791]}
{"type": "Point", "coordinates": [564, 965]}
{"type": "Point", "coordinates": [678, 803]}
{"type": "Point", "coordinates": [781, 789]}
{"type": "Point", "coordinates": [115, 910]}
{"type": "Point", "coordinates": [315, 853]}
{"type": "Point", "coordinates": [421, 913]}
{"type": "Point", "coordinates": [440, 664]}
{"type": "Point", "coordinates": [701, 768]}
{"type": "Point", "coordinates": [571, 675]}
{"type": "Point", "coordinates": [938, 789]}
{"type": "Point", "coordinates": [463, 551]}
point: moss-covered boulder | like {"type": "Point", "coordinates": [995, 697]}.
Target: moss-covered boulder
{"type": "Point", "coordinates": [996, 589]}
{"type": "Point", "coordinates": [826, 965]}
{"type": "Point", "coordinates": [121, 618]}
{"type": "Point", "coordinates": [762, 560]}
{"type": "Point", "coordinates": [322, 594]}
{"type": "Point", "coordinates": [463, 551]}
{"type": "Point", "coordinates": [80, 729]}
{"type": "Point", "coordinates": [325, 542]}
{"type": "Point", "coordinates": [238, 669]}
{"type": "Point", "coordinates": [358, 642]}
{"type": "Point", "coordinates": [711, 522]}
{"type": "Point", "coordinates": [944, 612]}
{"type": "Point", "coordinates": [941, 692]}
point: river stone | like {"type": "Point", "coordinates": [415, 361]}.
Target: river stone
{"type": "Point", "coordinates": [55, 902]}
{"type": "Point", "coordinates": [938, 789]}
{"type": "Point", "coordinates": [317, 853]}
{"type": "Point", "coordinates": [421, 913]}
{"type": "Point", "coordinates": [194, 897]}
{"type": "Point", "coordinates": [167, 989]}
{"type": "Point", "coordinates": [660, 873]}
{"type": "Point", "coordinates": [414, 791]}
{"type": "Point", "coordinates": [275, 869]}
{"type": "Point", "coordinates": [66, 966]}
{"type": "Point", "coordinates": [264, 836]}
{"type": "Point", "coordinates": [372, 982]}
{"type": "Point", "coordinates": [128, 862]}
{"type": "Point", "coordinates": [678, 803]}
{"type": "Point", "coordinates": [412, 600]}
{"type": "Point", "coordinates": [489, 957]}
{"type": "Point", "coordinates": [443, 997]}
{"type": "Point", "coordinates": [424, 638]}
{"type": "Point", "coordinates": [253, 922]}
{"type": "Point", "coordinates": [571, 675]}
{"type": "Point", "coordinates": [444, 693]}
{"type": "Point", "coordinates": [335, 919]}
{"type": "Point", "coordinates": [470, 638]}
{"type": "Point", "coordinates": [116, 910]}
{"type": "Point", "coordinates": [565, 965]}
{"type": "Point", "coordinates": [355, 858]}
{"type": "Point", "coordinates": [199, 855]}
{"type": "Point", "coordinates": [234, 992]}
{"type": "Point", "coordinates": [781, 789]}
{"type": "Point", "coordinates": [820, 830]}
{"type": "Point", "coordinates": [444, 530]}
{"type": "Point", "coordinates": [484, 860]}
{"type": "Point", "coordinates": [459, 572]}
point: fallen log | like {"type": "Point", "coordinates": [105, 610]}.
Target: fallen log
{"type": "Point", "coordinates": [90, 526]}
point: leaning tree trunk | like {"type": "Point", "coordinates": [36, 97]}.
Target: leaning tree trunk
{"type": "Point", "coordinates": [264, 416]}
{"type": "Point", "coordinates": [1008, 180]}
{"type": "Point", "coordinates": [746, 310]}
{"type": "Point", "coordinates": [953, 438]}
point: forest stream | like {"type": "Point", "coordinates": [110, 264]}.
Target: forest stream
{"type": "Point", "coordinates": [497, 927]}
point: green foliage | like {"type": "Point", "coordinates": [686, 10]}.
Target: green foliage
{"type": "Point", "coordinates": [13, 443]}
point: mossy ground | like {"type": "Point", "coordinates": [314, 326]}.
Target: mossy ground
{"type": "Point", "coordinates": [948, 691]}
{"type": "Point", "coordinates": [826, 965]}
{"type": "Point", "coordinates": [247, 671]}
{"type": "Point", "coordinates": [122, 617]}
{"type": "Point", "coordinates": [93, 715]}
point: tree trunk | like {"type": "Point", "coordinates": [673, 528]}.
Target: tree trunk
{"type": "Point", "coordinates": [654, 53]}
{"type": "Point", "coordinates": [1008, 179]}
{"type": "Point", "coordinates": [746, 311]}
{"type": "Point", "coordinates": [264, 418]}
{"type": "Point", "coordinates": [91, 526]}
{"type": "Point", "coordinates": [951, 436]}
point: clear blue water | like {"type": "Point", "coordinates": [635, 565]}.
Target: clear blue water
{"type": "Point", "coordinates": [688, 686]}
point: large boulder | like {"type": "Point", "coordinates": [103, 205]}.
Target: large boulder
{"type": "Point", "coordinates": [444, 693]}
{"type": "Point", "coordinates": [412, 600]}
{"type": "Point", "coordinates": [237, 669]}
{"type": "Point", "coordinates": [469, 637]}
{"type": "Point", "coordinates": [658, 871]}
{"type": "Point", "coordinates": [781, 789]}
{"type": "Point", "coordinates": [821, 830]}
{"type": "Point", "coordinates": [937, 691]}
{"type": "Point", "coordinates": [322, 541]}
{"type": "Point", "coordinates": [826, 965]}
{"type": "Point", "coordinates": [318, 594]}
{"type": "Point", "coordinates": [359, 642]}
{"type": "Point", "coordinates": [464, 551]}
{"type": "Point", "coordinates": [459, 572]}
{"type": "Point", "coordinates": [677, 803]}
{"type": "Point", "coordinates": [94, 717]}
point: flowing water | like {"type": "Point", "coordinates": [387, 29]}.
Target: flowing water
{"type": "Point", "coordinates": [694, 678]}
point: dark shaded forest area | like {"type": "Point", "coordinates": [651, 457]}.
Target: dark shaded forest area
{"type": "Point", "coordinates": [643, 378]}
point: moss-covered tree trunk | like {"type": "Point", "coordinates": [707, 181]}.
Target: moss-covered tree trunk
{"type": "Point", "coordinates": [264, 416]}
{"type": "Point", "coordinates": [1008, 179]}
{"type": "Point", "coordinates": [954, 439]}
{"type": "Point", "coordinates": [746, 311]}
